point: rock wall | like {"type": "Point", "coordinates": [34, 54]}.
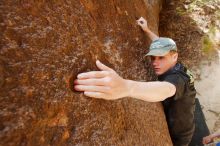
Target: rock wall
{"type": "Point", "coordinates": [45, 44]}
{"type": "Point", "coordinates": [177, 23]}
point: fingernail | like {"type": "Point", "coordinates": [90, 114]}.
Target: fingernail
{"type": "Point", "coordinates": [75, 82]}
{"type": "Point", "coordinates": [79, 76]}
{"type": "Point", "coordinates": [75, 87]}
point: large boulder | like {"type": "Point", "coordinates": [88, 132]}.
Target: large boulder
{"type": "Point", "coordinates": [45, 44]}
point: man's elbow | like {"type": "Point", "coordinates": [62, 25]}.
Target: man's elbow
{"type": "Point", "coordinates": [171, 91]}
{"type": "Point", "coordinates": [168, 90]}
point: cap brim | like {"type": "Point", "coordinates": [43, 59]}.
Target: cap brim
{"type": "Point", "coordinates": [158, 52]}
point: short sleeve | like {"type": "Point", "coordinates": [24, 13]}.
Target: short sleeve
{"type": "Point", "coordinates": [178, 82]}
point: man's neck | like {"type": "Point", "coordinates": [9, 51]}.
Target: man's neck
{"type": "Point", "coordinates": [169, 70]}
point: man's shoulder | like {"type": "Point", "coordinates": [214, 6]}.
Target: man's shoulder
{"type": "Point", "coordinates": [175, 79]}
{"type": "Point", "coordinates": [183, 72]}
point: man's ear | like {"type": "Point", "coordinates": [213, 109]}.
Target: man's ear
{"type": "Point", "coordinates": [175, 56]}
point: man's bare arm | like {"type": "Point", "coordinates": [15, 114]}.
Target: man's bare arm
{"type": "Point", "coordinates": [151, 91]}
{"type": "Point", "coordinates": [107, 84]}
{"type": "Point", "coordinates": [143, 24]}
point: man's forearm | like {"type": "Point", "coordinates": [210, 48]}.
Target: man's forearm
{"type": "Point", "coordinates": [143, 23]}
{"type": "Point", "coordinates": [150, 91]}
{"type": "Point", "coordinates": [151, 35]}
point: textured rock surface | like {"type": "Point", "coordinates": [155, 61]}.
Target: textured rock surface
{"type": "Point", "coordinates": [176, 22]}
{"type": "Point", "coordinates": [44, 43]}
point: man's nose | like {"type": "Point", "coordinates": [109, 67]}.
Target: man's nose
{"type": "Point", "coordinates": [155, 62]}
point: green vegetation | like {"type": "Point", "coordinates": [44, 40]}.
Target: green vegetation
{"type": "Point", "coordinates": [180, 11]}
{"type": "Point", "coordinates": [208, 45]}
{"type": "Point", "coordinates": [200, 3]}
{"type": "Point", "coordinates": [212, 30]}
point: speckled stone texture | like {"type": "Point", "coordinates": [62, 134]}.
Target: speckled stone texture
{"type": "Point", "coordinates": [45, 44]}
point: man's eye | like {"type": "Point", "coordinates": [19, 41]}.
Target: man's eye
{"type": "Point", "coordinates": [152, 58]}
{"type": "Point", "coordinates": [161, 57]}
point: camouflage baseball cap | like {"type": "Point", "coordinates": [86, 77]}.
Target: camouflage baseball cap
{"type": "Point", "coordinates": [161, 47]}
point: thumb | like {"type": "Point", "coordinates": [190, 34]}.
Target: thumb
{"type": "Point", "coordinates": [103, 67]}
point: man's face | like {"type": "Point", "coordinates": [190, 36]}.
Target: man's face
{"type": "Point", "coordinates": [161, 64]}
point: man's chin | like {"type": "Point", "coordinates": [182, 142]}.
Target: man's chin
{"type": "Point", "coordinates": [158, 73]}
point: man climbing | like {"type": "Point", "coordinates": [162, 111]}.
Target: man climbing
{"type": "Point", "coordinates": [175, 87]}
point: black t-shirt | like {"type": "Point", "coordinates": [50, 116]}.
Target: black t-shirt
{"type": "Point", "coordinates": [179, 109]}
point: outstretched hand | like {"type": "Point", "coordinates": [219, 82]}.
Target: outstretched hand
{"type": "Point", "coordinates": [142, 23]}
{"type": "Point", "coordinates": [106, 83]}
